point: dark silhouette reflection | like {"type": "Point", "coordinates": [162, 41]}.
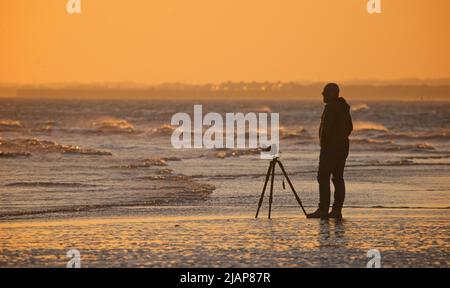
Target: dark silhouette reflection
{"type": "Point", "coordinates": [332, 242]}
{"type": "Point", "coordinates": [339, 228]}
{"type": "Point", "coordinates": [332, 233]}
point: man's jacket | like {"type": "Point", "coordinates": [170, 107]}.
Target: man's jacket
{"type": "Point", "coordinates": [335, 127]}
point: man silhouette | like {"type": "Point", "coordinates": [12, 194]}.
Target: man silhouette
{"type": "Point", "coordinates": [335, 128]}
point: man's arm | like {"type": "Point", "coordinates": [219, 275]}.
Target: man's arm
{"type": "Point", "coordinates": [327, 127]}
{"type": "Point", "coordinates": [349, 123]}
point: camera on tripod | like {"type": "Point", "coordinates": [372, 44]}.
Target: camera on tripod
{"type": "Point", "coordinates": [269, 152]}
{"type": "Point", "coordinates": [272, 152]}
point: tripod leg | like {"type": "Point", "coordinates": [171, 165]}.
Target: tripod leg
{"type": "Point", "coordinates": [271, 189]}
{"type": "Point", "coordinates": [292, 187]}
{"type": "Point", "coordinates": [271, 165]}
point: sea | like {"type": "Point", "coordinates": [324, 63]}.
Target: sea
{"type": "Point", "coordinates": [75, 158]}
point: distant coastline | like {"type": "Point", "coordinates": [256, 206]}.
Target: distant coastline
{"type": "Point", "coordinates": [414, 90]}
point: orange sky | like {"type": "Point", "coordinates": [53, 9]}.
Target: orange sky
{"type": "Point", "coordinates": [197, 41]}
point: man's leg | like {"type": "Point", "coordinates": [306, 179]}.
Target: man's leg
{"type": "Point", "coordinates": [339, 188]}
{"type": "Point", "coordinates": [323, 177]}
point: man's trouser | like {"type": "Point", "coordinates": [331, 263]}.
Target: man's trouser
{"type": "Point", "coordinates": [331, 163]}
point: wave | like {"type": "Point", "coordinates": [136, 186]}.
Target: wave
{"type": "Point", "coordinates": [165, 188]}
{"type": "Point", "coordinates": [294, 133]}
{"type": "Point", "coordinates": [16, 125]}
{"type": "Point", "coordinates": [48, 184]}
{"type": "Point", "coordinates": [395, 164]}
{"type": "Point", "coordinates": [145, 163]}
{"type": "Point", "coordinates": [187, 188]}
{"type": "Point", "coordinates": [228, 152]}
{"type": "Point", "coordinates": [360, 107]}
{"type": "Point", "coordinates": [26, 147]}
{"type": "Point", "coordinates": [163, 130]}
{"type": "Point", "coordinates": [364, 126]}
{"type": "Point", "coordinates": [398, 207]}
{"type": "Point", "coordinates": [69, 149]}
{"type": "Point", "coordinates": [45, 126]}
{"type": "Point", "coordinates": [430, 157]}
{"type": "Point", "coordinates": [10, 125]}
{"type": "Point", "coordinates": [235, 176]}
{"type": "Point", "coordinates": [14, 154]}
{"type": "Point", "coordinates": [442, 135]}
{"type": "Point", "coordinates": [169, 177]}
{"type": "Point", "coordinates": [285, 133]}
{"type": "Point", "coordinates": [380, 145]}
{"type": "Point", "coordinates": [113, 125]}
{"type": "Point", "coordinates": [402, 162]}
{"type": "Point", "coordinates": [263, 109]}
{"type": "Point", "coordinates": [101, 126]}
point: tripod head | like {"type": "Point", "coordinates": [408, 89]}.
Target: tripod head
{"type": "Point", "coordinates": [270, 152]}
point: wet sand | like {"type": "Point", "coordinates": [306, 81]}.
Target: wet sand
{"type": "Point", "coordinates": [404, 237]}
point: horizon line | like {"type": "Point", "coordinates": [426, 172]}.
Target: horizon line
{"type": "Point", "coordinates": [133, 84]}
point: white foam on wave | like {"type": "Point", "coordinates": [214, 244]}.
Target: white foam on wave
{"type": "Point", "coordinates": [113, 125]}
{"type": "Point", "coordinates": [360, 107]}
{"type": "Point", "coordinates": [369, 126]}
{"type": "Point", "coordinates": [381, 145]}
{"type": "Point", "coordinates": [26, 146]}
{"type": "Point", "coordinates": [443, 135]}
{"type": "Point", "coordinates": [8, 124]}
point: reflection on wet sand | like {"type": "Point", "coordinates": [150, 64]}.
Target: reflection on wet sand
{"type": "Point", "coordinates": [228, 241]}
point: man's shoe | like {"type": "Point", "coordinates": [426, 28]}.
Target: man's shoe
{"type": "Point", "coordinates": [336, 214]}
{"type": "Point", "coordinates": [318, 214]}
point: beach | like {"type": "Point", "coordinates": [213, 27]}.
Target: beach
{"type": "Point", "coordinates": [404, 238]}
{"type": "Point", "coordinates": [102, 177]}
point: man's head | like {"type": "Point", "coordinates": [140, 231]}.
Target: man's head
{"type": "Point", "coordinates": [330, 92]}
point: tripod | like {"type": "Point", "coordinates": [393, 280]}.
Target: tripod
{"type": "Point", "coordinates": [271, 173]}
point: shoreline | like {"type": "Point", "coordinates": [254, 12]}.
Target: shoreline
{"type": "Point", "coordinates": [416, 238]}
{"type": "Point", "coordinates": [199, 212]}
